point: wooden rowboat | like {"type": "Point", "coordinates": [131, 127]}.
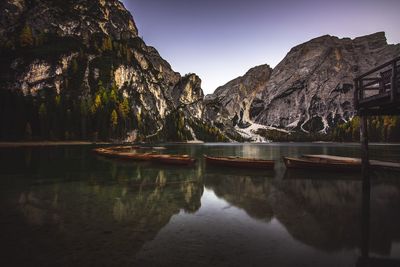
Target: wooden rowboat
{"type": "Point", "coordinates": [169, 159]}
{"type": "Point", "coordinates": [240, 162]}
{"type": "Point", "coordinates": [174, 159]}
{"type": "Point", "coordinates": [104, 152]}
{"type": "Point", "coordinates": [134, 156]}
{"type": "Point", "coordinates": [375, 164]}
{"type": "Point", "coordinates": [333, 158]}
{"type": "Point", "coordinates": [122, 155]}
{"type": "Point", "coordinates": [320, 164]}
{"type": "Point", "coordinates": [151, 147]}
{"type": "Point", "coordinates": [120, 148]}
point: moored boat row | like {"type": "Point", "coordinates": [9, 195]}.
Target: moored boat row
{"type": "Point", "coordinates": [316, 162]}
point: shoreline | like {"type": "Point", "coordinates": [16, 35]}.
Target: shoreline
{"type": "Point", "coordinates": [86, 143]}
{"type": "Point", "coordinates": [48, 143]}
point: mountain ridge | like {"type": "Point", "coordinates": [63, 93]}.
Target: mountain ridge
{"type": "Point", "coordinates": [77, 69]}
{"type": "Point", "coordinates": [81, 60]}
{"type": "Point", "coordinates": [311, 89]}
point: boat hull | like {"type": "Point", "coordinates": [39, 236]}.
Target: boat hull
{"type": "Point", "coordinates": [159, 158]}
{"type": "Point", "coordinates": [307, 163]}
{"type": "Point", "coordinates": [374, 164]}
{"type": "Point", "coordinates": [171, 159]}
{"type": "Point", "coordinates": [240, 163]}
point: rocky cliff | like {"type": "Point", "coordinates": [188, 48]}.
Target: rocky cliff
{"type": "Point", "coordinates": [230, 103]}
{"type": "Point", "coordinates": [229, 106]}
{"type": "Point", "coordinates": [310, 90]}
{"type": "Point", "coordinates": [81, 60]}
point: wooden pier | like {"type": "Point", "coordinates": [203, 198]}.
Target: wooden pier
{"type": "Point", "coordinates": [375, 164]}
{"type": "Point", "coordinates": [377, 93]}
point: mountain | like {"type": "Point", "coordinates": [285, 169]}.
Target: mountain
{"type": "Point", "coordinates": [77, 69]}
{"type": "Point", "coordinates": [229, 106]}
{"type": "Point", "coordinates": [310, 90]}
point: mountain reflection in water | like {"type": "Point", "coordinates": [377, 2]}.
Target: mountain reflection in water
{"type": "Point", "coordinates": [66, 206]}
{"type": "Point", "coordinates": [324, 214]}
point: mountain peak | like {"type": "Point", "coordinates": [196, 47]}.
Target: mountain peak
{"type": "Point", "coordinates": [67, 18]}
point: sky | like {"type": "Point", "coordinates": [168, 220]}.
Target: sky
{"type": "Point", "coordinates": [220, 40]}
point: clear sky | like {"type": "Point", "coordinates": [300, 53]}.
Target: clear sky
{"type": "Point", "coordinates": [221, 39]}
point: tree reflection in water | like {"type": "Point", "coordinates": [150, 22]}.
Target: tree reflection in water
{"type": "Point", "coordinates": [112, 214]}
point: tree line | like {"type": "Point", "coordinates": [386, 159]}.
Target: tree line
{"type": "Point", "coordinates": [104, 115]}
{"type": "Point", "coordinates": [380, 129]}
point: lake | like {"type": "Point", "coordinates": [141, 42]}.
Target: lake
{"type": "Point", "coordinates": [65, 206]}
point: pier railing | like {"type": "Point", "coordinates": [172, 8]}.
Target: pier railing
{"type": "Point", "coordinates": [379, 87]}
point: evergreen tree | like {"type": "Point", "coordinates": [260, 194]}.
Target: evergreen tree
{"type": "Point", "coordinates": [114, 119]}
{"type": "Point", "coordinates": [84, 111]}
{"type": "Point", "coordinates": [26, 37]}
{"type": "Point", "coordinates": [124, 108]}
{"type": "Point", "coordinates": [97, 103]}
{"type": "Point", "coordinates": [43, 120]}
{"type": "Point", "coordinates": [74, 66]}
{"type": "Point", "coordinates": [113, 96]}
{"type": "Point", "coordinates": [128, 55]}
{"type": "Point", "coordinates": [113, 122]}
{"type": "Point", "coordinates": [107, 44]}
{"type": "Point", "coordinates": [28, 131]}
{"type": "Point", "coordinates": [40, 39]}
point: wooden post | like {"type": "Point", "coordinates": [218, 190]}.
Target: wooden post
{"type": "Point", "coordinates": [393, 94]}
{"type": "Point", "coordinates": [356, 93]}
{"type": "Point", "coordinates": [364, 145]}
{"type": "Point", "coordinates": [366, 190]}
{"type": "Point", "coordinates": [381, 86]}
